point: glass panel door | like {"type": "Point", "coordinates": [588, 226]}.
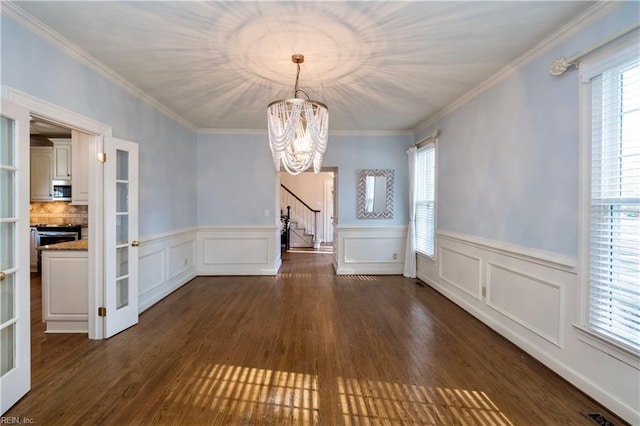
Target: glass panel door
{"type": "Point", "coordinates": [8, 222]}
{"type": "Point", "coordinates": [121, 221]}
{"type": "Point", "coordinates": [122, 229]}
{"type": "Point", "coordinates": [14, 255]}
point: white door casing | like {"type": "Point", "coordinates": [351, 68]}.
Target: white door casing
{"type": "Point", "coordinates": [328, 210]}
{"type": "Point", "coordinates": [66, 118]}
{"type": "Point", "coordinates": [15, 321]}
{"type": "Point", "coordinates": [121, 234]}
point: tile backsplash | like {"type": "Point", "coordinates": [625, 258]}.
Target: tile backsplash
{"type": "Point", "coordinates": [58, 212]}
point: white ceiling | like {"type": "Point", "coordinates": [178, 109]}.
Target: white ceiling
{"type": "Point", "coordinates": [379, 66]}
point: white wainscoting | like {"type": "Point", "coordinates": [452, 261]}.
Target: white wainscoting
{"type": "Point", "coordinates": [370, 250]}
{"type": "Point", "coordinates": [531, 298]}
{"type": "Point", "coordinates": [460, 269]}
{"type": "Point", "coordinates": [516, 287]}
{"type": "Point", "coordinates": [238, 250]}
{"type": "Point", "coordinates": [166, 262]}
{"type": "Point", "coordinates": [530, 301]}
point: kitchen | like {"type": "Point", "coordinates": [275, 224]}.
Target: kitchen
{"type": "Point", "coordinates": [59, 195]}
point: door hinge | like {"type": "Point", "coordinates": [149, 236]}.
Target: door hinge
{"type": "Point", "coordinates": [102, 311]}
{"type": "Point", "coordinates": [102, 157]}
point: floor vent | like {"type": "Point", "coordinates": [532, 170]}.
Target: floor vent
{"type": "Point", "coordinates": [600, 419]}
{"type": "Point", "coordinates": [420, 284]}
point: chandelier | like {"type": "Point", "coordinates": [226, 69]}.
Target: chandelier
{"type": "Point", "coordinates": [298, 130]}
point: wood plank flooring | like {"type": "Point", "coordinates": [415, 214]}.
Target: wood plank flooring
{"type": "Point", "coordinates": [303, 347]}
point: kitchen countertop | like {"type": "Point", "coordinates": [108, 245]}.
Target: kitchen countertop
{"type": "Point", "coordinates": [79, 245]}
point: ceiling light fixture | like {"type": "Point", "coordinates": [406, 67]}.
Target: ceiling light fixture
{"type": "Point", "coordinates": [298, 130]}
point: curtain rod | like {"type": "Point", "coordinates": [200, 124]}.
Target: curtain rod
{"type": "Point", "coordinates": [560, 65]}
{"type": "Point", "coordinates": [433, 135]}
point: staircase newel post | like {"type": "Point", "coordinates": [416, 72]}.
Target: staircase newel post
{"type": "Point", "coordinates": [316, 241]}
{"type": "Point", "coordinates": [288, 243]}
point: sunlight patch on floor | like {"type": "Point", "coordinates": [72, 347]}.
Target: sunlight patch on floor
{"type": "Point", "coordinates": [300, 275]}
{"type": "Point", "coordinates": [245, 393]}
{"type": "Point", "coordinates": [370, 278]}
{"type": "Point", "coordinates": [370, 402]}
{"type": "Point", "coordinates": [321, 250]}
{"type": "Point", "coordinates": [251, 393]}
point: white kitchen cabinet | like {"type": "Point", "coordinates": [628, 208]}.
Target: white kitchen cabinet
{"type": "Point", "coordinates": [81, 146]}
{"type": "Point", "coordinates": [65, 301]}
{"type": "Point", "coordinates": [41, 173]}
{"type": "Point", "coordinates": [61, 159]}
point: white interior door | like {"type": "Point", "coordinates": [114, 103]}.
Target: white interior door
{"type": "Point", "coordinates": [15, 327]}
{"type": "Point", "coordinates": [121, 234]}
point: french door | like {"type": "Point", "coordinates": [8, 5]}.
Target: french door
{"type": "Point", "coordinates": [15, 327]}
{"type": "Point", "coordinates": [121, 225]}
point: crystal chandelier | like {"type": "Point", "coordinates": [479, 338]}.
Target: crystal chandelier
{"type": "Point", "coordinates": [298, 130]}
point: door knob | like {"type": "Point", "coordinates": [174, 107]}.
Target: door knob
{"type": "Point", "coordinates": [135, 243]}
{"type": "Point", "coordinates": [2, 276]}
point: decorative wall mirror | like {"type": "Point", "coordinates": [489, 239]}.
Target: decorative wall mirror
{"type": "Point", "coordinates": [375, 194]}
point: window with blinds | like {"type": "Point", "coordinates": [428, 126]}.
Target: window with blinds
{"type": "Point", "coordinates": [614, 233]}
{"type": "Point", "coordinates": [426, 200]}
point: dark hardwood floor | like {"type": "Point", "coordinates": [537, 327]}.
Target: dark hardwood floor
{"type": "Point", "coordinates": [302, 347]}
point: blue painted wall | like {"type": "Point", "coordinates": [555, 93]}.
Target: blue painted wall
{"type": "Point", "coordinates": [167, 149]}
{"type": "Point", "coordinates": [508, 159]}
{"type": "Point", "coordinates": [237, 179]}
{"type": "Point", "coordinates": [351, 153]}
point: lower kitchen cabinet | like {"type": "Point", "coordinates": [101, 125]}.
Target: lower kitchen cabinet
{"type": "Point", "coordinates": [65, 302]}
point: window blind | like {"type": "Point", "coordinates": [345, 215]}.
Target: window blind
{"type": "Point", "coordinates": [425, 220]}
{"type": "Point", "coordinates": [614, 266]}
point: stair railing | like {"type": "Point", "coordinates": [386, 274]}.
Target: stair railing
{"type": "Point", "coordinates": [301, 212]}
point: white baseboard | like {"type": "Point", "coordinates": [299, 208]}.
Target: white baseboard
{"type": "Point", "coordinates": [166, 262]}
{"type": "Point", "coordinates": [67, 327]}
{"type": "Point", "coordinates": [530, 298]}
{"type": "Point", "coordinates": [372, 250]}
{"type": "Point", "coordinates": [238, 250]}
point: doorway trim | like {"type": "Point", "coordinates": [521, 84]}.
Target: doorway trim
{"type": "Point", "coordinates": [336, 205]}
{"type": "Point", "coordinates": [51, 112]}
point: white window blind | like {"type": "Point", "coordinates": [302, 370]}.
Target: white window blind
{"type": "Point", "coordinates": [614, 261]}
{"type": "Point", "coordinates": [426, 200]}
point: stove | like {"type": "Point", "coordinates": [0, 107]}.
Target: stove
{"type": "Point", "coordinates": [47, 234]}
{"type": "Point", "coordinates": [45, 227]}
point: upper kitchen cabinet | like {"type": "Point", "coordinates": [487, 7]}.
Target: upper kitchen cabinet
{"type": "Point", "coordinates": [41, 173]}
{"type": "Point", "coordinates": [61, 159]}
{"type": "Point", "coordinates": [81, 148]}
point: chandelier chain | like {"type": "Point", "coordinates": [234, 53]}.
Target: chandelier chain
{"type": "Point", "coordinates": [295, 88]}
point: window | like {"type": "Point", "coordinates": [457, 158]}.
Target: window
{"type": "Point", "coordinates": [612, 237]}
{"type": "Point", "coordinates": [426, 200]}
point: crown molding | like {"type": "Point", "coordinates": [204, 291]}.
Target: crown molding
{"type": "Point", "coordinates": [12, 10]}
{"type": "Point", "coordinates": [213, 131]}
{"type": "Point", "coordinates": [371, 133]}
{"type": "Point", "coordinates": [569, 30]}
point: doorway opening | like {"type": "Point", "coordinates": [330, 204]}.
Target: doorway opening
{"type": "Point", "coordinates": [58, 212]}
{"type": "Point", "coordinates": [61, 122]}
{"type": "Point", "coordinates": [308, 210]}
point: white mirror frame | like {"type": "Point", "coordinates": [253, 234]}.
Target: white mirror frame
{"type": "Point", "coordinates": [362, 213]}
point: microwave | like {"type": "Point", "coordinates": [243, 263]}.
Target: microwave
{"type": "Point", "coordinates": [61, 190]}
